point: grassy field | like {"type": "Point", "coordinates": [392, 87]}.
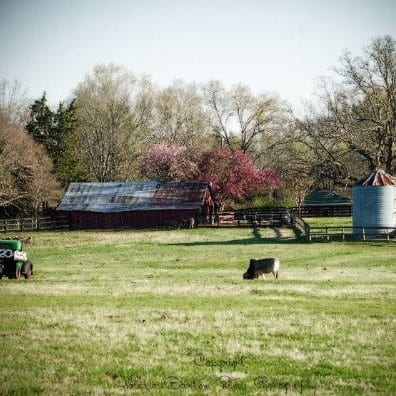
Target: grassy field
{"type": "Point", "coordinates": [329, 221]}
{"type": "Point", "coordinates": [167, 312]}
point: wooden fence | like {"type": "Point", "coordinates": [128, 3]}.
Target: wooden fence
{"type": "Point", "coordinates": [271, 217]}
{"type": "Point", "coordinates": [324, 211]}
{"type": "Point", "coordinates": [350, 233]}
{"type": "Point", "coordinates": [284, 217]}
{"type": "Point", "coordinates": [267, 217]}
{"type": "Point", "coordinates": [33, 224]}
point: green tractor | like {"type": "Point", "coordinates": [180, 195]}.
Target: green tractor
{"type": "Point", "coordinates": [14, 262]}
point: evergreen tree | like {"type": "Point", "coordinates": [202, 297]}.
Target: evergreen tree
{"type": "Point", "coordinates": [41, 123]}
{"type": "Point", "coordinates": [57, 132]}
{"type": "Point", "coordinates": [65, 135]}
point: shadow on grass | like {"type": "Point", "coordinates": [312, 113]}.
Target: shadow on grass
{"type": "Point", "coordinates": [256, 238]}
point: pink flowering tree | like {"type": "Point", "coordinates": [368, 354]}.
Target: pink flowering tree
{"type": "Point", "coordinates": [165, 163]}
{"type": "Point", "coordinates": [234, 176]}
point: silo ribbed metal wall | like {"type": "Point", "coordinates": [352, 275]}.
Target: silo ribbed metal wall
{"type": "Point", "coordinates": [374, 206]}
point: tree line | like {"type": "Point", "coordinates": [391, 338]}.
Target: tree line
{"type": "Point", "coordinates": [122, 127]}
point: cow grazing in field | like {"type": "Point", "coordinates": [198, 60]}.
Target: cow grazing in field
{"type": "Point", "coordinates": [187, 223]}
{"type": "Point", "coordinates": [259, 267]}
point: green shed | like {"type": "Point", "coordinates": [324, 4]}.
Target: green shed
{"type": "Point", "coordinates": [324, 203]}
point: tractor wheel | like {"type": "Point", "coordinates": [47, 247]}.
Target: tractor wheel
{"type": "Point", "coordinates": [28, 270]}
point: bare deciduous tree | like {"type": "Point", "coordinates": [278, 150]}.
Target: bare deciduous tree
{"type": "Point", "coordinates": [26, 178]}
{"type": "Point", "coordinates": [112, 112]}
{"type": "Point", "coordinates": [13, 100]}
{"type": "Point", "coordinates": [180, 117]}
{"type": "Point", "coordinates": [240, 119]}
{"type": "Point", "coordinates": [361, 110]}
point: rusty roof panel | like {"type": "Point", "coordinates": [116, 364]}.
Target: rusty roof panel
{"type": "Point", "coordinates": [133, 196]}
{"type": "Point", "coordinates": [377, 178]}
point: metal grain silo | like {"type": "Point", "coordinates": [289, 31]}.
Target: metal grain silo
{"type": "Point", "coordinates": [374, 203]}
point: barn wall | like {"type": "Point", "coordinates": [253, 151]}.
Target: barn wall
{"type": "Point", "coordinates": [140, 219]}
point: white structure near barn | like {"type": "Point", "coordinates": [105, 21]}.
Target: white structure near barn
{"type": "Point", "coordinates": [374, 204]}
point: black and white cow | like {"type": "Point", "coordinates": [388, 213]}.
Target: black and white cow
{"type": "Point", "coordinates": [259, 267]}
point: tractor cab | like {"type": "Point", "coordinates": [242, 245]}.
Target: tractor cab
{"type": "Point", "coordinates": [14, 262]}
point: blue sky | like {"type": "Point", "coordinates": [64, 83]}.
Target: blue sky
{"type": "Point", "coordinates": [280, 46]}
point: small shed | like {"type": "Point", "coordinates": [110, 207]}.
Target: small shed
{"type": "Point", "coordinates": [136, 204]}
{"type": "Point", "coordinates": [374, 203]}
{"type": "Point", "coordinates": [324, 203]}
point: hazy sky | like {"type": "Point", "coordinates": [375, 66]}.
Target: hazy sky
{"type": "Point", "coordinates": [280, 46]}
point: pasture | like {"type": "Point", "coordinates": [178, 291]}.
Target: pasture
{"type": "Point", "coordinates": [167, 312]}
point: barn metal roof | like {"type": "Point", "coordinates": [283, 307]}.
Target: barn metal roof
{"type": "Point", "coordinates": [377, 178]}
{"type": "Point", "coordinates": [321, 196]}
{"type": "Point", "coordinates": [115, 197]}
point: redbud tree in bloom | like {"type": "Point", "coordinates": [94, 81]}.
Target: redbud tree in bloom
{"type": "Point", "coordinates": [165, 163]}
{"type": "Point", "coordinates": [234, 175]}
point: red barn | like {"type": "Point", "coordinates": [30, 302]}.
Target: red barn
{"type": "Point", "coordinates": [136, 204]}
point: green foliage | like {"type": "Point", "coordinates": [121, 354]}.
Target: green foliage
{"type": "Point", "coordinates": [264, 202]}
{"type": "Point", "coordinates": [66, 161]}
{"type": "Point", "coordinates": [57, 132]}
{"type": "Point", "coordinates": [40, 124]}
{"type": "Point", "coordinates": [167, 312]}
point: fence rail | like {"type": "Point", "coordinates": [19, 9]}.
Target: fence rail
{"type": "Point", "coordinates": [33, 224]}
{"type": "Point", "coordinates": [324, 211]}
{"type": "Point", "coordinates": [277, 216]}
{"type": "Point", "coordinates": [272, 217]}
{"type": "Point", "coordinates": [344, 233]}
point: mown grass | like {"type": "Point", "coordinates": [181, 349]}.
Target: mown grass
{"type": "Point", "coordinates": [329, 221]}
{"type": "Point", "coordinates": [167, 312]}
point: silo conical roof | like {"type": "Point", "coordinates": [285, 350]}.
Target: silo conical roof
{"type": "Point", "coordinates": [377, 178]}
